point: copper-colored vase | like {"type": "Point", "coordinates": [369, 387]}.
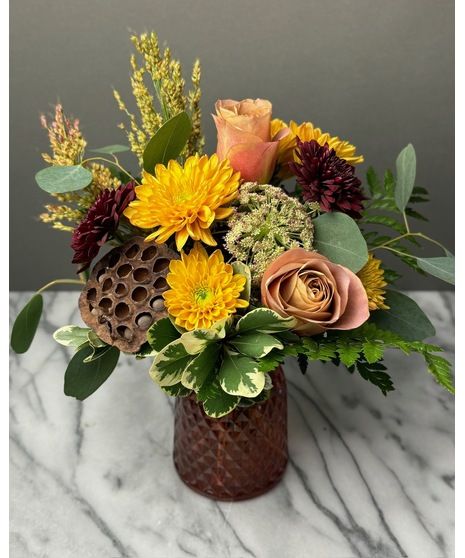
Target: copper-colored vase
{"type": "Point", "coordinates": [239, 456]}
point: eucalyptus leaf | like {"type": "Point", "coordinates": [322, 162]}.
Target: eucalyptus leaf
{"type": "Point", "coordinates": [406, 165]}
{"type": "Point", "coordinates": [111, 149]}
{"type": "Point", "coordinates": [72, 335]}
{"type": "Point", "coordinates": [338, 237]}
{"type": "Point", "coordinates": [404, 317]}
{"type": "Point", "coordinates": [442, 267]}
{"type": "Point", "coordinates": [25, 325]}
{"type": "Point", "coordinates": [82, 379]}
{"type": "Point", "coordinates": [58, 180]}
{"type": "Point", "coordinates": [168, 142]}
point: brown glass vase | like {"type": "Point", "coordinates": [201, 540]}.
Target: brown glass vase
{"type": "Point", "coordinates": [238, 456]}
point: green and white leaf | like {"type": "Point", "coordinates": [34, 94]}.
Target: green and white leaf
{"type": "Point", "coordinates": [338, 237]}
{"type": "Point", "coordinates": [82, 379]}
{"type": "Point", "coordinates": [243, 269]}
{"type": "Point", "coordinates": [168, 142]}
{"type": "Point", "coordinates": [161, 334]}
{"type": "Point", "coordinates": [240, 375]}
{"type": "Point", "coordinates": [442, 267]}
{"type": "Point", "coordinates": [195, 341]}
{"type": "Point", "coordinates": [26, 323]}
{"type": "Point", "coordinates": [216, 402]}
{"type": "Point", "coordinates": [200, 367]}
{"type": "Point", "coordinates": [95, 340]}
{"type": "Point", "coordinates": [404, 317]}
{"type": "Point", "coordinates": [71, 335]}
{"type": "Point", "coordinates": [178, 390]}
{"type": "Point", "coordinates": [58, 180]}
{"type": "Point", "coordinates": [264, 320]}
{"type": "Point", "coordinates": [406, 166]}
{"type": "Point", "coordinates": [255, 345]}
{"type": "Point", "coordinates": [97, 352]}
{"type": "Point", "coordinates": [169, 364]}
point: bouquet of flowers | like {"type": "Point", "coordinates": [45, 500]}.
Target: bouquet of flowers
{"type": "Point", "coordinates": [218, 266]}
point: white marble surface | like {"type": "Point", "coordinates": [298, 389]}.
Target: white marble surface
{"type": "Point", "coordinates": [368, 477]}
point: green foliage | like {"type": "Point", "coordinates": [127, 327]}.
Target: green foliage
{"type": "Point", "coordinates": [111, 149]}
{"type": "Point", "coordinates": [255, 345]}
{"type": "Point", "coordinates": [216, 402]}
{"type": "Point", "coordinates": [338, 237]}
{"type": "Point", "coordinates": [169, 364]}
{"type": "Point", "coordinates": [264, 320]}
{"type": "Point", "coordinates": [362, 349]}
{"type": "Point", "coordinates": [443, 267]}
{"type": "Point", "coordinates": [406, 165]}
{"type": "Point", "coordinates": [83, 378]}
{"type": "Point", "coordinates": [58, 180]}
{"type": "Point", "coordinates": [200, 367]}
{"type": "Point", "coordinates": [404, 317]}
{"type": "Point", "coordinates": [25, 325]}
{"type": "Point", "coordinates": [168, 142]}
{"type": "Point", "coordinates": [243, 269]}
{"type": "Point", "coordinates": [240, 375]}
{"type": "Point", "coordinates": [162, 333]}
{"type": "Point", "coordinates": [72, 336]}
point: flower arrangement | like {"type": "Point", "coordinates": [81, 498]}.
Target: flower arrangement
{"type": "Point", "coordinates": [222, 265]}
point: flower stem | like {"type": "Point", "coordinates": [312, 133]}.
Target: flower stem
{"type": "Point", "coordinates": [111, 163]}
{"type": "Point", "coordinates": [386, 245]}
{"type": "Point", "coordinates": [60, 282]}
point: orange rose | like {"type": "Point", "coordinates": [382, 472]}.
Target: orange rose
{"type": "Point", "coordinates": [244, 137]}
{"type": "Point", "coordinates": [320, 294]}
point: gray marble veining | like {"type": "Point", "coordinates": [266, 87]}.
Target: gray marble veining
{"type": "Point", "coordinates": [369, 476]}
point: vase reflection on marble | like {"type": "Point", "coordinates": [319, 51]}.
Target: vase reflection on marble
{"type": "Point", "coordinates": [238, 456]}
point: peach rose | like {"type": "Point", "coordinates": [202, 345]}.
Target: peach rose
{"type": "Point", "coordinates": [320, 294]}
{"type": "Point", "coordinates": [244, 137]}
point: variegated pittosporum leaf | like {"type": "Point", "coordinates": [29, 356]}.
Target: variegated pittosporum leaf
{"type": "Point", "coordinates": [169, 364]}
{"type": "Point", "coordinates": [200, 367]}
{"type": "Point", "coordinates": [264, 320]}
{"type": "Point", "coordinates": [72, 335]}
{"type": "Point", "coordinates": [255, 345]}
{"type": "Point", "coordinates": [216, 402]}
{"type": "Point", "coordinates": [240, 375]}
{"type": "Point", "coordinates": [162, 333]}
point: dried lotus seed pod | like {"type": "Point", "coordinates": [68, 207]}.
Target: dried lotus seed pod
{"type": "Point", "coordinates": [123, 296]}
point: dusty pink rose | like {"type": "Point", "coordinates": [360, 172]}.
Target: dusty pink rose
{"type": "Point", "coordinates": [320, 294]}
{"type": "Point", "coordinates": [244, 137]}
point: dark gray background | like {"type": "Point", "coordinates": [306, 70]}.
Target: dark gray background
{"type": "Point", "coordinates": [377, 73]}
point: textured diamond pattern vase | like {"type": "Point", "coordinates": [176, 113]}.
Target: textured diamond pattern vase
{"type": "Point", "coordinates": [238, 456]}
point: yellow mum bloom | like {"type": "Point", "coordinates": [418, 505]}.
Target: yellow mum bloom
{"type": "Point", "coordinates": [184, 200]}
{"type": "Point", "coordinates": [306, 132]}
{"type": "Point", "coordinates": [372, 277]}
{"type": "Point", "coordinates": [203, 290]}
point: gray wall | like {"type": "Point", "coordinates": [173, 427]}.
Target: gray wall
{"type": "Point", "coordinates": [376, 72]}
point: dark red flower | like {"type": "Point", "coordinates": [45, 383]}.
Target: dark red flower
{"type": "Point", "coordinates": [100, 223]}
{"type": "Point", "coordinates": [327, 179]}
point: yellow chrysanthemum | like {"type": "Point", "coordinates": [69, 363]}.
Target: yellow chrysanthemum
{"type": "Point", "coordinates": [203, 290]}
{"type": "Point", "coordinates": [372, 277]}
{"type": "Point", "coordinates": [184, 200]}
{"type": "Point", "coordinates": [306, 132]}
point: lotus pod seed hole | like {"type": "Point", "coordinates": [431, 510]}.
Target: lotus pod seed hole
{"type": "Point", "coordinates": [160, 283]}
{"type": "Point", "coordinates": [107, 284]}
{"type": "Point", "coordinates": [141, 275]}
{"type": "Point", "coordinates": [125, 332]}
{"type": "Point", "coordinates": [113, 259]}
{"type": "Point", "coordinates": [124, 270]}
{"type": "Point", "coordinates": [160, 265]}
{"type": "Point", "coordinates": [100, 275]}
{"type": "Point", "coordinates": [132, 252]}
{"type": "Point", "coordinates": [92, 294]}
{"type": "Point", "coordinates": [121, 289]}
{"type": "Point", "coordinates": [144, 320]}
{"type": "Point", "coordinates": [149, 253]}
{"type": "Point", "coordinates": [158, 304]}
{"type": "Point", "coordinates": [139, 294]}
{"type": "Point", "coordinates": [122, 310]}
{"type": "Point", "coordinates": [105, 304]}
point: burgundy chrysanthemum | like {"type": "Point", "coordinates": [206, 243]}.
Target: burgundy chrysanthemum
{"type": "Point", "coordinates": [101, 221]}
{"type": "Point", "coordinates": [327, 179]}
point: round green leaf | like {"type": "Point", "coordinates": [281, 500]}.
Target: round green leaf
{"type": "Point", "coordinates": [404, 317]}
{"type": "Point", "coordinates": [338, 237]}
{"type": "Point", "coordinates": [168, 141]}
{"type": "Point", "coordinates": [406, 165]}
{"type": "Point", "coordinates": [25, 326]}
{"type": "Point", "coordinates": [443, 267]}
{"type": "Point", "coordinates": [256, 345]}
{"type": "Point", "coordinates": [239, 375]}
{"type": "Point", "coordinates": [82, 379]}
{"type": "Point", "coordinates": [57, 180]}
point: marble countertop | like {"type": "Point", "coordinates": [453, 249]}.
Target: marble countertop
{"type": "Point", "coordinates": [369, 476]}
